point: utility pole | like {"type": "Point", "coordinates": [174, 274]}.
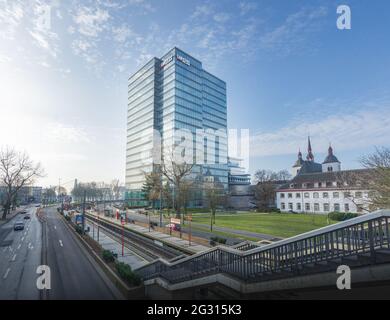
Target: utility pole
{"type": "Point", "coordinates": [83, 220]}
{"type": "Point", "coordinates": [190, 234]}
{"type": "Point", "coordinates": [161, 186]}
{"type": "Point", "coordinates": [123, 235]}
{"type": "Point", "coordinates": [98, 227]}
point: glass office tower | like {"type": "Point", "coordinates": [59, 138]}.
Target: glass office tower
{"type": "Point", "coordinates": [167, 97]}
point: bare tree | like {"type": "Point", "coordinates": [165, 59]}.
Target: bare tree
{"type": "Point", "coordinates": [284, 175]}
{"type": "Point", "coordinates": [265, 194]}
{"type": "Point", "coordinates": [16, 170]}
{"type": "Point", "coordinates": [175, 170]}
{"type": "Point", "coordinates": [352, 183]}
{"type": "Point", "coordinates": [215, 196]}
{"type": "Point", "coordinates": [49, 195]}
{"type": "Point", "coordinates": [379, 180]}
{"type": "Point", "coordinates": [185, 194]}
{"type": "Point", "coordinates": [115, 189]}
{"type": "Point", "coordinates": [269, 175]}
{"type": "Point", "coordinates": [152, 186]}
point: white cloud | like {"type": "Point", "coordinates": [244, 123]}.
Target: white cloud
{"type": "Point", "coordinates": [11, 15]}
{"type": "Point", "coordinates": [221, 17]}
{"type": "Point", "coordinates": [62, 133]}
{"type": "Point", "coordinates": [123, 33]}
{"type": "Point", "coordinates": [246, 7]}
{"type": "Point", "coordinates": [91, 21]}
{"type": "Point", "coordinates": [346, 131]}
{"type": "Point", "coordinates": [291, 35]}
{"type": "Point", "coordinates": [202, 11]}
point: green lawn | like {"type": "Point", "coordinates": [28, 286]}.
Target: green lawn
{"type": "Point", "coordinates": [276, 224]}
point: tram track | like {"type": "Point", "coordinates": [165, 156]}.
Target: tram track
{"type": "Point", "coordinates": [145, 247]}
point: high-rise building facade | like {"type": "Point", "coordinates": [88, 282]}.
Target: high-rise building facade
{"type": "Point", "coordinates": [170, 100]}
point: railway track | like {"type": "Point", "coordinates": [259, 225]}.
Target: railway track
{"type": "Point", "coordinates": [143, 246]}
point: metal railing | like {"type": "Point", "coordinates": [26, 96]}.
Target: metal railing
{"type": "Point", "coordinates": [363, 235]}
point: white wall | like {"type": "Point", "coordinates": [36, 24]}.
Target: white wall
{"type": "Point", "coordinates": [331, 200]}
{"type": "Point", "coordinates": [336, 166]}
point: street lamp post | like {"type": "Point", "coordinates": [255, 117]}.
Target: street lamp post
{"type": "Point", "coordinates": [83, 216]}
{"type": "Point", "coordinates": [189, 235]}
{"type": "Point", "coordinates": [123, 238]}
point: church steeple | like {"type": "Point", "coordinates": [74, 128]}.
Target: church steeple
{"type": "Point", "coordinates": [331, 163]}
{"type": "Point", "coordinates": [310, 156]}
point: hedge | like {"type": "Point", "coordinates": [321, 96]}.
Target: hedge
{"type": "Point", "coordinates": [342, 216]}
{"type": "Point", "coordinates": [109, 256]}
{"type": "Point", "coordinates": [127, 274]}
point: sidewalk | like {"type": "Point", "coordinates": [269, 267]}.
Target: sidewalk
{"type": "Point", "coordinates": [158, 236]}
{"type": "Point", "coordinates": [9, 216]}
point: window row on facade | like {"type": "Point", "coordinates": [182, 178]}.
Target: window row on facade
{"type": "Point", "coordinates": [316, 207]}
{"type": "Point", "coordinates": [324, 195]}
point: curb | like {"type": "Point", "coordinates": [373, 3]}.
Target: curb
{"type": "Point", "coordinates": [129, 293]}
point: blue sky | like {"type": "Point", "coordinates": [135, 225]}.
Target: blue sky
{"type": "Point", "coordinates": [289, 71]}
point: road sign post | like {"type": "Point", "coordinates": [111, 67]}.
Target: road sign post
{"type": "Point", "coordinates": [190, 234]}
{"type": "Point", "coordinates": [123, 236]}
{"type": "Point", "coordinates": [83, 219]}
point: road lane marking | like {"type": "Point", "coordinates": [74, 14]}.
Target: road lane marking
{"type": "Point", "coordinates": [6, 273]}
{"type": "Point", "coordinates": [61, 244]}
{"type": "Point", "coordinates": [55, 227]}
{"type": "Point", "coordinates": [19, 246]}
{"type": "Point", "coordinates": [13, 258]}
{"type": "Point", "coordinates": [22, 239]}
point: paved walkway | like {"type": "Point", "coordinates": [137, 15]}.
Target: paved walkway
{"type": "Point", "coordinates": [159, 236]}
{"type": "Point", "coordinates": [10, 215]}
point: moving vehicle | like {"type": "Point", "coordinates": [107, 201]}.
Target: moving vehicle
{"type": "Point", "coordinates": [26, 217]}
{"type": "Point", "coordinates": [23, 212]}
{"type": "Point", "coordinates": [19, 225]}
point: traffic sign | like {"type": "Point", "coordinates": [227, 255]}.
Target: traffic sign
{"type": "Point", "coordinates": [175, 221]}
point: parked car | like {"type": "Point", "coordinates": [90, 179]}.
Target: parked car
{"type": "Point", "coordinates": [19, 225]}
{"type": "Point", "coordinates": [173, 227]}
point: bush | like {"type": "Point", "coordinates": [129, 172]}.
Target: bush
{"type": "Point", "coordinates": [215, 240]}
{"type": "Point", "coordinates": [109, 256]}
{"type": "Point", "coordinates": [342, 216]}
{"type": "Point", "coordinates": [127, 274]}
{"type": "Point", "coordinates": [268, 210]}
{"type": "Point", "coordinates": [79, 229]}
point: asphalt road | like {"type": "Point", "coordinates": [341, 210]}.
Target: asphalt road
{"type": "Point", "coordinates": [74, 274]}
{"type": "Point", "coordinates": [20, 255]}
